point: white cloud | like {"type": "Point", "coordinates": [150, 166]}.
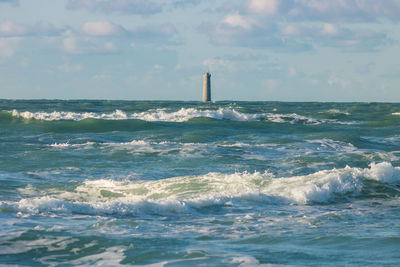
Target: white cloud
{"type": "Point", "coordinates": [319, 10]}
{"type": "Point", "coordinates": [73, 44]}
{"type": "Point", "coordinates": [99, 37]}
{"type": "Point", "coordinates": [150, 34]}
{"type": "Point", "coordinates": [346, 10]}
{"type": "Point", "coordinates": [67, 68]}
{"type": "Point", "coordinates": [101, 77]}
{"type": "Point", "coordinates": [7, 46]}
{"type": "Point", "coordinates": [345, 38]}
{"type": "Point", "coordinates": [292, 71]}
{"type": "Point", "coordinates": [24, 63]}
{"type": "Point", "coordinates": [326, 5]}
{"type": "Point", "coordinates": [335, 80]}
{"type": "Point", "coordinates": [270, 84]}
{"type": "Point", "coordinates": [247, 29]}
{"type": "Point", "coordinates": [101, 28]}
{"type": "Point", "coordinates": [110, 46]}
{"type": "Point", "coordinates": [261, 34]}
{"type": "Point", "coordinates": [69, 43]}
{"type": "Point", "coordinates": [291, 30]}
{"type": "Point", "coordinates": [217, 64]}
{"type": "Point", "coordinates": [236, 20]}
{"type": "Point", "coordinates": [10, 29]}
{"type": "Point", "coordinates": [329, 29]}
{"type": "Point", "coordinates": [158, 67]}
{"type": "Point", "coordinates": [349, 39]}
{"type": "Point", "coordinates": [264, 7]}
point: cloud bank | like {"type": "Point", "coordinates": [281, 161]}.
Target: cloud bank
{"type": "Point", "coordinates": [300, 25]}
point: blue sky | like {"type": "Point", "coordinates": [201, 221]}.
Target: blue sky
{"type": "Point", "coordinates": [285, 50]}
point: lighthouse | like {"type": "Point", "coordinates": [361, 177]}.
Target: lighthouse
{"type": "Point", "coordinates": [206, 87]}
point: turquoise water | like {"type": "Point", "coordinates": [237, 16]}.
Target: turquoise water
{"type": "Point", "coordinates": [185, 183]}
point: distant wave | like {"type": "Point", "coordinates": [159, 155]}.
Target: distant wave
{"type": "Point", "coordinates": [185, 193]}
{"type": "Point", "coordinates": [182, 115]}
{"type": "Point", "coordinates": [337, 111]}
{"type": "Point", "coordinates": [193, 148]}
{"type": "Point", "coordinates": [66, 115]}
{"type": "Point", "coordinates": [396, 113]}
{"type": "Point", "coordinates": [67, 144]}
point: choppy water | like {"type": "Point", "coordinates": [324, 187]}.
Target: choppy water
{"type": "Point", "coordinates": [184, 183]}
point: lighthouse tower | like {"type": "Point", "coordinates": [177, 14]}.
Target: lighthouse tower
{"type": "Point", "coordinates": [206, 87]}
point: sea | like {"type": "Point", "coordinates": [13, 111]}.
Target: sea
{"type": "Point", "coordinates": [173, 183]}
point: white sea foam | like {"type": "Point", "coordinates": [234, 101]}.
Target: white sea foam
{"type": "Point", "coordinates": [396, 113]}
{"type": "Point", "coordinates": [185, 114]}
{"type": "Point", "coordinates": [182, 115]}
{"type": "Point", "coordinates": [67, 144]}
{"type": "Point", "coordinates": [143, 146]}
{"type": "Point", "coordinates": [60, 145]}
{"type": "Point", "coordinates": [112, 256]}
{"type": "Point", "coordinates": [337, 111]}
{"type": "Point", "coordinates": [187, 193]}
{"type": "Point", "coordinates": [326, 144]}
{"type": "Point", "coordinates": [249, 261]}
{"type": "Point", "coordinates": [293, 118]}
{"type": "Point", "coordinates": [65, 115]}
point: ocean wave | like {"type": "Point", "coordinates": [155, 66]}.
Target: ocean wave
{"type": "Point", "coordinates": [182, 115]}
{"type": "Point", "coordinates": [326, 144]}
{"type": "Point", "coordinates": [337, 111]}
{"type": "Point", "coordinates": [66, 115]}
{"type": "Point", "coordinates": [194, 149]}
{"type": "Point", "coordinates": [185, 114]}
{"type": "Point", "coordinates": [396, 113]}
{"type": "Point", "coordinates": [190, 193]}
{"type": "Point", "coordinates": [67, 144]}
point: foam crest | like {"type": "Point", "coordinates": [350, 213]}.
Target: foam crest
{"type": "Point", "coordinates": [181, 115]}
{"type": "Point", "coordinates": [65, 115]}
{"type": "Point", "coordinates": [296, 118]}
{"type": "Point", "coordinates": [189, 193]}
{"type": "Point", "coordinates": [67, 144]}
{"type": "Point", "coordinates": [383, 172]}
{"type": "Point", "coordinates": [396, 113]}
{"type": "Point", "coordinates": [337, 111]}
{"type": "Point", "coordinates": [111, 256]}
{"type": "Point", "coordinates": [332, 145]}
{"type": "Point", "coordinates": [293, 118]}
{"type": "Point", "coordinates": [185, 114]}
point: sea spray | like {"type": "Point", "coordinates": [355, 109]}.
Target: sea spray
{"type": "Point", "coordinates": [182, 194]}
{"type": "Point", "coordinates": [182, 115]}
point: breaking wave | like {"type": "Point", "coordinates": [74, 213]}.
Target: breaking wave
{"type": "Point", "coordinates": [192, 193]}
{"type": "Point", "coordinates": [337, 111]}
{"type": "Point", "coordinates": [66, 115]}
{"type": "Point", "coordinates": [182, 115]}
{"type": "Point", "coordinates": [195, 149]}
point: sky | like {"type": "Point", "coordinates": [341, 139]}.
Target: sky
{"type": "Point", "coordinates": [256, 50]}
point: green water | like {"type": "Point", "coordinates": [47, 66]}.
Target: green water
{"type": "Point", "coordinates": [185, 183]}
